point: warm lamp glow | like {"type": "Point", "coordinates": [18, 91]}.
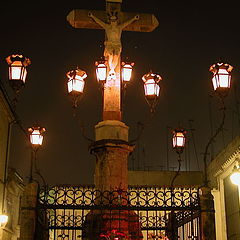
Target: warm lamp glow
{"type": "Point", "coordinates": [35, 134]}
{"type": "Point", "coordinates": [17, 68]}
{"type": "Point", "coordinates": [221, 77]}
{"type": "Point", "coordinates": [235, 176]}
{"type": "Point", "coordinates": [76, 81]}
{"type": "Point", "coordinates": [127, 71]}
{"type": "Point", "coordinates": [101, 71]}
{"type": "Point", "coordinates": [179, 140]}
{"type": "Point", "coordinates": [151, 88]}
{"type": "Point", "coordinates": [151, 85]}
{"type": "Point", "coordinates": [3, 220]}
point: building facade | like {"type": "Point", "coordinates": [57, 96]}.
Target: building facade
{"type": "Point", "coordinates": [11, 184]}
{"type": "Point", "coordinates": [226, 194]}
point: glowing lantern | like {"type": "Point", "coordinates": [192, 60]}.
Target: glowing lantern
{"type": "Point", "coordinates": [36, 135]}
{"type": "Point", "coordinates": [127, 71]}
{"type": "Point", "coordinates": [179, 140]}
{"type": "Point", "coordinates": [151, 89]}
{"type": "Point", "coordinates": [3, 220]}
{"type": "Point", "coordinates": [151, 85]}
{"type": "Point", "coordinates": [221, 78]}
{"type": "Point", "coordinates": [101, 71]}
{"type": "Point", "coordinates": [17, 65]}
{"type": "Point", "coordinates": [76, 81]}
{"type": "Point", "coordinates": [235, 176]}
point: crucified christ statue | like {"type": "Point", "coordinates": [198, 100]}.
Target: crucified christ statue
{"type": "Point", "coordinates": [113, 46]}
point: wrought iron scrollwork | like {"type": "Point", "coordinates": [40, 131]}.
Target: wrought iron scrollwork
{"type": "Point", "coordinates": [135, 197]}
{"type": "Point", "coordinates": [65, 210]}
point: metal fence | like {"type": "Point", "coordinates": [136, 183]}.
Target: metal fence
{"type": "Point", "coordinates": [83, 212]}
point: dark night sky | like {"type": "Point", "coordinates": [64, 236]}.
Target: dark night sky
{"type": "Point", "coordinates": [191, 37]}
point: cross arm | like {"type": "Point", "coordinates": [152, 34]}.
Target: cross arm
{"type": "Point", "coordinates": [79, 18]}
{"type": "Point", "coordinates": [128, 22]}
{"type": "Point", "coordinates": [97, 20]}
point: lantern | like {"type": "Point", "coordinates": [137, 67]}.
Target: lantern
{"type": "Point", "coordinates": [17, 68]}
{"type": "Point", "coordinates": [235, 176]}
{"type": "Point", "coordinates": [179, 140]}
{"type": "Point", "coordinates": [36, 135]}
{"type": "Point", "coordinates": [221, 78]}
{"type": "Point", "coordinates": [127, 71]}
{"type": "Point", "coordinates": [3, 220]}
{"type": "Point", "coordinates": [101, 71]}
{"type": "Point", "coordinates": [76, 81]}
{"type": "Point", "coordinates": [151, 89]}
{"type": "Point", "coordinates": [151, 85]}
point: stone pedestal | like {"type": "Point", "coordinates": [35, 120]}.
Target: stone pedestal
{"type": "Point", "coordinates": [111, 129]}
{"type": "Point", "coordinates": [111, 171]}
{"type": "Point", "coordinates": [207, 215]}
{"type": "Point", "coordinates": [111, 149]}
{"type": "Point", "coordinates": [113, 221]}
{"type": "Point", "coordinates": [28, 214]}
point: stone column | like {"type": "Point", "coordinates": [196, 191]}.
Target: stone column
{"type": "Point", "coordinates": [111, 149]}
{"type": "Point", "coordinates": [207, 215]}
{"type": "Point", "coordinates": [28, 215]}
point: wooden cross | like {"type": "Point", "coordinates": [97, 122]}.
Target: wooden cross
{"type": "Point", "coordinates": [80, 18]}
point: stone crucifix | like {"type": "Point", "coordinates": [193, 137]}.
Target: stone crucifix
{"type": "Point", "coordinates": [113, 21]}
{"type": "Point", "coordinates": [113, 45]}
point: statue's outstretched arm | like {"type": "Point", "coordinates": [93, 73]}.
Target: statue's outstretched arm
{"type": "Point", "coordinates": [97, 20]}
{"type": "Point", "coordinates": [123, 25]}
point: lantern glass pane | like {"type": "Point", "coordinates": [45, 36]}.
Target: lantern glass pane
{"type": "Point", "coordinates": [75, 85]}
{"type": "Point", "coordinates": [127, 72]}
{"type": "Point", "coordinates": [17, 71]}
{"type": "Point", "coordinates": [214, 82]}
{"type": "Point", "coordinates": [24, 74]}
{"type": "Point", "coordinates": [178, 139]}
{"type": "Point", "coordinates": [101, 72]}
{"type": "Point", "coordinates": [174, 141]}
{"type": "Point", "coordinates": [221, 79]}
{"type": "Point", "coordinates": [3, 219]}
{"type": "Point", "coordinates": [36, 138]}
{"type": "Point", "coordinates": [235, 178]}
{"type": "Point", "coordinates": [151, 88]}
{"type": "Point", "coordinates": [69, 84]}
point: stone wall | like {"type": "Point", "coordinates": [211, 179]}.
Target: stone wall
{"type": "Point", "coordinates": [164, 178]}
{"type": "Point", "coordinates": [14, 190]}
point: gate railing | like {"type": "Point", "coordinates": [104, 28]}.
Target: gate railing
{"type": "Point", "coordinates": [65, 208]}
{"type": "Point", "coordinates": [86, 197]}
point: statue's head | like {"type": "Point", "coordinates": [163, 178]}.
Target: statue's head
{"type": "Point", "coordinates": [113, 18]}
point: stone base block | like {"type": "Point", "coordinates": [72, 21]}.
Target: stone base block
{"type": "Point", "coordinates": [111, 129]}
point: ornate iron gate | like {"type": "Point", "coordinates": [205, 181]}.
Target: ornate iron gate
{"type": "Point", "coordinates": [76, 212]}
